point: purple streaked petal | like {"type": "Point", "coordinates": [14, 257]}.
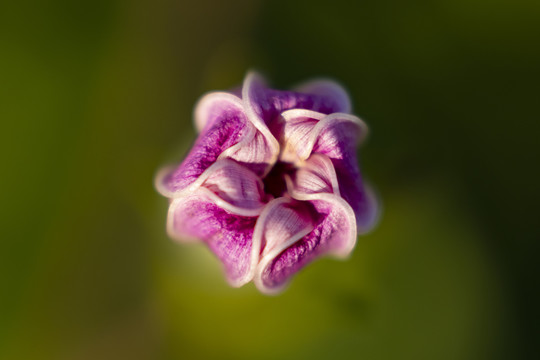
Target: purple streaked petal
{"type": "Point", "coordinates": [226, 132]}
{"type": "Point", "coordinates": [210, 108]}
{"type": "Point", "coordinates": [283, 222]}
{"type": "Point", "coordinates": [266, 105]}
{"type": "Point", "coordinates": [229, 236]}
{"type": "Point", "coordinates": [229, 185]}
{"type": "Point", "coordinates": [335, 136]}
{"type": "Point", "coordinates": [223, 124]}
{"type": "Point", "coordinates": [256, 104]}
{"type": "Point", "coordinates": [338, 138]}
{"type": "Point", "coordinates": [335, 234]}
{"type": "Point", "coordinates": [306, 131]}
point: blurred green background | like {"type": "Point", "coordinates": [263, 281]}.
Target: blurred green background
{"type": "Point", "coordinates": [96, 95]}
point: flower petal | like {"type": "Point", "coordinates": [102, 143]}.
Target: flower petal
{"type": "Point", "coordinates": [335, 234]}
{"type": "Point", "coordinates": [324, 96]}
{"type": "Point", "coordinates": [256, 106]}
{"type": "Point", "coordinates": [254, 151]}
{"type": "Point", "coordinates": [338, 140]}
{"type": "Point", "coordinates": [335, 136]}
{"type": "Point", "coordinates": [228, 235]}
{"type": "Point", "coordinates": [264, 105]}
{"type": "Point", "coordinates": [229, 185]}
{"type": "Point", "coordinates": [283, 222]}
{"type": "Point", "coordinates": [234, 188]}
{"type": "Point", "coordinates": [210, 108]}
{"type": "Point", "coordinates": [296, 134]}
{"type": "Point", "coordinates": [317, 175]}
{"type": "Point", "coordinates": [223, 123]}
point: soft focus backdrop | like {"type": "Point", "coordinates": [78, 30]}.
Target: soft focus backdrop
{"type": "Point", "coordinates": [96, 95]}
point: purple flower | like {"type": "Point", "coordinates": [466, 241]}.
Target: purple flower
{"type": "Point", "coordinates": [272, 181]}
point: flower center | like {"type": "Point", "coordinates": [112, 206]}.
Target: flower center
{"type": "Point", "coordinates": [274, 182]}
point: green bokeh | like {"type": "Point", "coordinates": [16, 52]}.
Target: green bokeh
{"type": "Point", "coordinates": [95, 96]}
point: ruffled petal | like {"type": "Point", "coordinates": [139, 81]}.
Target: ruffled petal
{"type": "Point", "coordinates": [234, 188]}
{"type": "Point", "coordinates": [283, 222]}
{"type": "Point", "coordinates": [223, 124]}
{"type": "Point", "coordinates": [231, 186]}
{"type": "Point", "coordinates": [229, 236]}
{"type": "Point", "coordinates": [334, 234]}
{"type": "Point", "coordinates": [338, 138]}
{"type": "Point", "coordinates": [254, 152]}
{"type": "Point", "coordinates": [335, 136]}
{"type": "Point", "coordinates": [306, 131]}
{"type": "Point", "coordinates": [216, 106]}
{"type": "Point", "coordinates": [266, 104]}
{"type": "Point", "coordinates": [256, 106]}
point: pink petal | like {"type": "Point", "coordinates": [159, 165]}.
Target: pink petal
{"type": "Point", "coordinates": [306, 131]}
{"type": "Point", "coordinates": [335, 136]}
{"type": "Point", "coordinates": [223, 124]}
{"type": "Point", "coordinates": [266, 105]}
{"type": "Point", "coordinates": [229, 236]}
{"type": "Point", "coordinates": [282, 223]}
{"type": "Point", "coordinates": [334, 234]}
{"type": "Point", "coordinates": [234, 188]}
{"type": "Point", "coordinates": [256, 104]}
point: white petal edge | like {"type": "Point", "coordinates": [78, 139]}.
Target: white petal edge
{"type": "Point", "coordinates": [341, 253]}
{"type": "Point", "coordinates": [334, 200]}
{"type": "Point", "coordinates": [327, 87]}
{"type": "Point", "coordinates": [197, 186]}
{"type": "Point", "coordinates": [309, 164]}
{"type": "Point", "coordinates": [204, 103]}
{"type": "Point", "coordinates": [173, 234]}
{"type": "Point", "coordinates": [258, 264]}
{"type": "Point", "coordinates": [325, 121]}
{"type": "Point", "coordinates": [259, 123]}
{"type": "Point", "coordinates": [372, 199]}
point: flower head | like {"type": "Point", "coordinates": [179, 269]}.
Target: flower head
{"type": "Point", "coordinates": [272, 182]}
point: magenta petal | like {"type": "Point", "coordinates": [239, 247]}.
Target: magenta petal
{"type": "Point", "coordinates": [337, 139]}
{"type": "Point", "coordinates": [234, 188]}
{"type": "Point", "coordinates": [306, 131]}
{"type": "Point", "coordinates": [229, 236]}
{"type": "Point", "coordinates": [266, 104]}
{"type": "Point", "coordinates": [334, 234]}
{"type": "Point", "coordinates": [283, 222]}
{"type": "Point", "coordinates": [335, 136]}
{"type": "Point", "coordinates": [224, 124]}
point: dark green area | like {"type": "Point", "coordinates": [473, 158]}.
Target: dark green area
{"type": "Point", "coordinates": [97, 95]}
